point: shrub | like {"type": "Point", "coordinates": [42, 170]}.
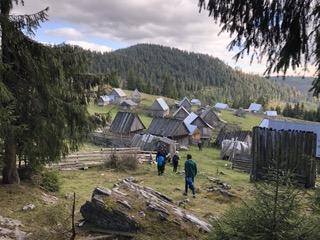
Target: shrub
{"type": "Point", "coordinates": [122, 162]}
{"type": "Point", "coordinates": [275, 213]}
{"type": "Point", "coordinates": [50, 181]}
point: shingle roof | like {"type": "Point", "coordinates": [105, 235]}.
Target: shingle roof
{"type": "Point", "coordinates": [221, 105]}
{"type": "Point", "coordinates": [105, 98]}
{"type": "Point", "coordinates": [126, 123]}
{"type": "Point", "coordinates": [162, 103]}
{"type": "Point", "coordinates": [181, 109]}
{"type": "Point", "coordinates": [128, 102]}
{"type": "Point", "coordinates": [210, 117]}
{"type": "Point", "coordinates": [185, 100]}
{"type": "Point", "coordinates": [255, 107]}
{"type": "Point", "coordinates": [168, 127]}
{"type": "Point", "coordinates": [120, 92]}
{"type": "Point", "coordinates": [271, 113]}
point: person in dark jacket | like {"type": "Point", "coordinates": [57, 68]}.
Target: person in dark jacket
{"type": "Point", "coordinates": [175, 161]}
{"type": "Point", "coordinates": [190, 169]}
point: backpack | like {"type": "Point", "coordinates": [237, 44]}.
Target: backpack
{"type": "Point", "coordinates": [160, 160]}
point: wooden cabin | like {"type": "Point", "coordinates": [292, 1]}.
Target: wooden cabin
{"type": "Point", "coordinates": [204, 129]}
{"type": "Point", "coordinates": [210, 117]}
{"type": "Point", "coordinates": [171, 128]}
{"type": "Point", "coordinates": [136, 96]}
{"type": "Point", "coordinates": [127, 124]}
{"type": "Point", "coordinates": [103, 100]}
{"type": "Point", "coordinates": [160, 108]}
{"type": "Point", "coordinates": [117, 95]}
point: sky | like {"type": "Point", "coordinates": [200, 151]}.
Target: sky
{"type": "Point", "coordinates": [107, 25]}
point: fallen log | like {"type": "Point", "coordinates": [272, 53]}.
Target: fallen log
{"type": "Point", "coordinates": [127, 206]}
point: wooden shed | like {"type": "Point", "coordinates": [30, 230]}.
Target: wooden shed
{"type": "Point", "coordinates": [117, 95]}
{"type": "Point", "coordinates": [160, 108]}
{"type": "Point", "coordinates": [210, 117]}
{"type": "Point", "coordinates": [171, 128]}
{"type": "Point", "coordinates": [136, 96]}
{"type": "Point", "coordinates": [126, 123]}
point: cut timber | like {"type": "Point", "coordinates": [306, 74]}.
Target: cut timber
{"type": "Point", "coordinates": [127, 206]}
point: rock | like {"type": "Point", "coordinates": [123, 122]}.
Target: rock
{"type": "Point", "coordinates": [49, 199]}
{"type": "Point", "coordinates": [127, 206]}
{"type": "Point", "coordinates": [9, 229]}
{"type": "Point", "coordinates": [29, 207]}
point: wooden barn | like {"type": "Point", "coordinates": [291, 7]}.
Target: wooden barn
{"type": "Point", "coordinates": [127, 124]}
{"type": "Point", "coordinates": [128, 104]}
{"type": "Point", "coordinates": [181, 113]}
{"type": "Point", "coordinates": [117, 95]}
{"type": "Point", "coordinates": [174, 129]}
{"type": "Point", "coordinates": [160, 108]}
{"type": "Point", "coordinates": [185, 102]}
{"type": "Point", "coordinates": [194, 121]}
{"type": "Point", "coordinates": [210, 117]}
{"type": "Point", "coordinates": [227, 133]}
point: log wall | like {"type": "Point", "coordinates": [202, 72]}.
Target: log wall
{"type": "Point", "coordinates": [287, 151]}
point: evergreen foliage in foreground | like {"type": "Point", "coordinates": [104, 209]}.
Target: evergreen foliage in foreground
{"type": "Point", "coordinates": [276, 212]}
{"type": "Point", "coordinates": [43, 112]}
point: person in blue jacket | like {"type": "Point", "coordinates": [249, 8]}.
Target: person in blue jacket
{"type": "Point", "coordinates": [190, 169]}
{"type": "Point", "coordinates": [161, 161]}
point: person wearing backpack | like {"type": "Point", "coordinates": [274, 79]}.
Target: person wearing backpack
{"type": "Point", "coordinates": [190, 169]}
{"type": "Point", "coordinates": [161, 162]}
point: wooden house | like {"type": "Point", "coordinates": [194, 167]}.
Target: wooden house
{"type": "Point", "coordinates": [185, 103]}
{"type": "Point", "coordinates": [204, 129]}
{"type": "Point", "coordinates": [210, 117]}
{"type": "Point", "coordinates": [103, 100]}
{"type": "Point", "coordinates": [171, 128]}
{"type": "Point", "coordinates": [136, 96]}
{"type": "Point", "coordinates": [255, 108]}
{"type": "Point", "coordinates": [127, 124]}
{"type": "Point", "coordinates": [181, 113]}
{"type": "Point", "coordinates": [160, 108]}
{"type": "Point", "coordinates": [128, 104]}
{"type": "Point", "coordinates": [117, 95]}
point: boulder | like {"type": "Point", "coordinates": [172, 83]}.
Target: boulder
{"type": "Point", "coordinates": [128, 206]}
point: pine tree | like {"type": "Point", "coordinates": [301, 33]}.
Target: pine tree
{"type": "Point", "coordinates": [43, 95]}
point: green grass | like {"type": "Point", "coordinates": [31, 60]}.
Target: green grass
{"type": "Point", "coordinates": [247, 123]}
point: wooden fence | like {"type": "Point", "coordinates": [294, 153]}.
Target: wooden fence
{"type": "Point", "coordinates": [84, 160]}
{"type": "Point", "coordinates": [242, 162]}
{"type": "Point", "coordinates": [287, 151]}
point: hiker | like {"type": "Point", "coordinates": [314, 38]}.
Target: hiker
{"type": "Point", "coordinates": [175, 161]}
{"type": "Point", "coordinates": [190, 169]}
{"type": "Point", "coordinates": [200, 145]}
{"type": "Point", "coordinates": [161, 161]}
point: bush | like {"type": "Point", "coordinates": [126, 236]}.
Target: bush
{"type": "Point", "coordinates": [50, 181]}
{"type": "Point", "coordinates": [275, 213]}
{"type": "Point", "coordinates": [122, 162]}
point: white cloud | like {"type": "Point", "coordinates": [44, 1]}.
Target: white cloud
{"type": "Point", "coordinates": [175, 23]}
{"type": "Point", "coordinates": [69, 33]}
{"type": "Point", "coordinates": [90, 46]}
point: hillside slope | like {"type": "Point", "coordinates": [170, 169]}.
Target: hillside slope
{"type": "Point", "coordinates": [174, 73]}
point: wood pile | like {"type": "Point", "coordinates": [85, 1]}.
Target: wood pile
{"type": "Point", "coordinates": [85, 160]}
{"type": "Point", "coordinates": [242, 162]}
{"type": "Point", "coordinates": [284, 151]}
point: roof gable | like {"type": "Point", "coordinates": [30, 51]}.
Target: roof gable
{"type": "Point", "coordinates": [118, 92]}
{"type": "Point", "coordinates": [181, 113]}
{"type": "Point", "coordinates": [126, 123]}
{"type": "Point", "coordinates": [160, 104]}
{"type": "Point", "coordinates": [168, 127]}
{"type": "Point", "coordinates": [185, 103]}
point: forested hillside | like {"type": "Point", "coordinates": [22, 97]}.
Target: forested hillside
{"type": "Point", "coordinates": [174, 73]}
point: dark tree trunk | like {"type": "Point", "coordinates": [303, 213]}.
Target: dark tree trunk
{"type": "Point", "coordinates": [10, 173]}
